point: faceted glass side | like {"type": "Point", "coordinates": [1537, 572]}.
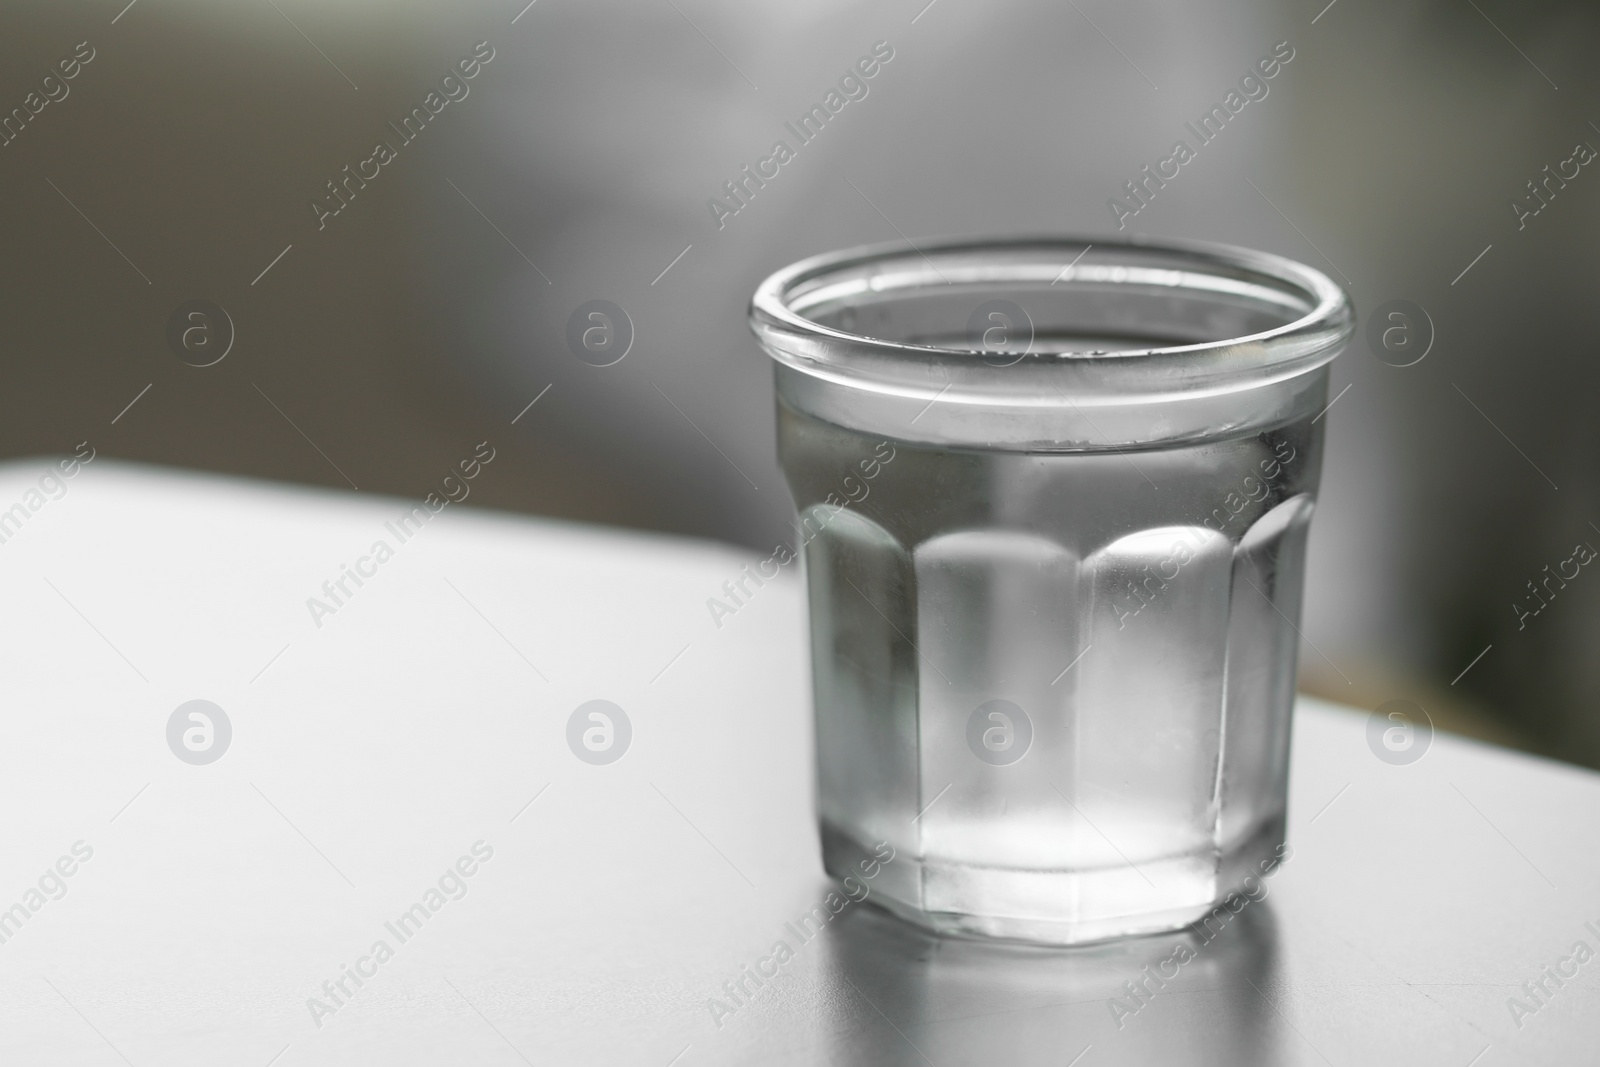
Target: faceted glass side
{"type": "Point", "coordinates": [1057, 683]}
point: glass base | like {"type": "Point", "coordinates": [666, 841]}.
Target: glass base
{"type": "Point", "coordinates": [1056, 907]}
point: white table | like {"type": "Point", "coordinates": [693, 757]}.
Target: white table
{"type": "Point", "coordinates": [371, 753]}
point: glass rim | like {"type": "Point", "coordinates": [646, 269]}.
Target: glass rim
{"type": "Point", "coordinates": [1315, 334]}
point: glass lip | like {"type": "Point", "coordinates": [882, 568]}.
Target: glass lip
{"type": "Point", "coordinates": [1301, 344]}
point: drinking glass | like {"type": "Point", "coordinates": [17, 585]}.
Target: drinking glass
{"type": "Point", "coordinates": [1054, 499]}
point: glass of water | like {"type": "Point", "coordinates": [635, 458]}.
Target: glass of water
{"type": "Point", "coordinates": [1054, 499]}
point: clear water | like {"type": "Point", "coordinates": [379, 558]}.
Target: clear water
{"type": "Point", "coordinates": [1134, 612]}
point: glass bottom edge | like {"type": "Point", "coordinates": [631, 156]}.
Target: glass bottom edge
{"type": "Point", "coordinates": [901, 885]}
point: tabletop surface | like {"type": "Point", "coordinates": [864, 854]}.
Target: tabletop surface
{"type": "Point", "coordinates": [393, 769]}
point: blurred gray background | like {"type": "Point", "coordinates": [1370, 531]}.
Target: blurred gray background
{"type": "Point", "coordinates": [424, 317]}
